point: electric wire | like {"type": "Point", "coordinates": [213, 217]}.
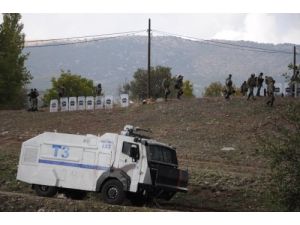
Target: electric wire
{"type": "Point", "coordinates": [226, 44]}
{"type": "Point", "coordinates": [53, 44]}
{"type": "Point", "coordinates": [86, 36]}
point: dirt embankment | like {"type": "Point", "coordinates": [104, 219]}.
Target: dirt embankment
{"type": "Point", "coordinates": [202, 130]}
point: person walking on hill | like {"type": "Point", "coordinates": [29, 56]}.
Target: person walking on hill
{"type": "Point", "coordinates": [270, 90]}
{"type": "Point", "coordinates": [244, 88]}
{"type": "Point", "coordinates": [259, 84]}
{"type": "Point", "coordinates": [251, 84]}
{"type": "Point", "coordinates": [229, 89]}
{"type": "Point", "coordinates": [33, 98]}
{"type": "Point", "coordinates": [179, 85]}
{"type": "Point", "coordinates": [35, 95]}
{"type": "Point", "coordinates": [30, 95]}
{"type": "Point", "coordinates": [166, 86]}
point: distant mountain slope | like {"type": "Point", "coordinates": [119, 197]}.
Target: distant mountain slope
{"type": "Point", "coordinates": [112, 62]}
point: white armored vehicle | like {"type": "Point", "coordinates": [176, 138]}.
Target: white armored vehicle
{"type": "Point", "coordinates": [117, 165]}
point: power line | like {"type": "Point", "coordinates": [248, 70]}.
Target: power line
{"type": "Point", "coordinates": [81, 41]}
{"type": "Point", "coordinates": [226, 44]}
{"type": "Point", "coordinates": [87, 36]}
{"type": "Point", "coordinates": [250, 47]}
{"type": "Point", "coordinates": [69, 43]}
{"type": "Point", "coordinates": [217, 43]}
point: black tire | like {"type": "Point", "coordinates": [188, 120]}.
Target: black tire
{"type": "Point", "coordinates": [45, 191]}
{"type": "Point", "coordinates": [113, 193]}
{"type": "Point", "coordinates": [76, 194]}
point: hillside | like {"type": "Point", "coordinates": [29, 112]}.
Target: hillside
{"type": "Point", "coordinates": [220, 180]}
{"type": "Point", "coordinates": [114, 61]}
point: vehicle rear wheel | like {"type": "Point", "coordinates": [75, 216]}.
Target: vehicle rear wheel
{"type": "Point", "coordinates": [45, 191]}
{"type": "Point", "coordinates": [113, 193]}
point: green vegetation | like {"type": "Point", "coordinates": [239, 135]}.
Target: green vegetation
{"type": "Point", "coordinates": [283, 150]}
{"type": "Point", "coordinates": [219, 180]}
{"type": "Point", "coordinates": [13, 73]}
{"type": "Point", "coordinates": [188, 89]}
{"type": "Point", "coordinates": [138, 87]}
{"type": "Point", "coordinates": [214, 90]}
{"type": "Point", "coordinates": [74, 85]}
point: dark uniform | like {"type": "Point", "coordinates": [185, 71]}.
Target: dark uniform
{"type": "Point", "coordinates": [33, 98]}
{"type": "Point", "coordinates": [99, 89]}
{"type": "Point", "coordinates": [61, 91]}
{"type": "Point", "coordinates": [166, 87]}
{"type": "Point", "coordinates": [35, 95]}
{"type": "Point", "coordinates": [229, 89]}
{"type": "Point", "coordinates": [259, 84]}
{"type": "Point", "coordinates": [244, 88]}
{"type": "Point", "coordinates": [179, 85]}
{"type": "Point", "coordinates": [30, 95]}
{"type": "Point", "coordinates": [270, 90]}
{"type": "Point", "coordinates": [251, 84]}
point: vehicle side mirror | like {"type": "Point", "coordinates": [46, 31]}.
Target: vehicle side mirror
{"type": "Point", "coordinates": [134, 153]}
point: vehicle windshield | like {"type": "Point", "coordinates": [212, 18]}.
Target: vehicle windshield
{"type": "Point", "coordinates": [162, 154]}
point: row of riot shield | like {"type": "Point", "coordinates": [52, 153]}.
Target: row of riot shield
{"type": "Point", "coordinates": [86, 103]}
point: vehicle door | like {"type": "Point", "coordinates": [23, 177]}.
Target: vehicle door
{"type": "Point", "coordinates": [130, 162]}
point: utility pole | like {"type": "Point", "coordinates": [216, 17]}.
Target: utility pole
{"type": "Point", "coordinates": [294, 72]}
{"type": "Point", "coordinates": [149, 56]}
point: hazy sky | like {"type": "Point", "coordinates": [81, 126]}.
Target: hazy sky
{"type": "Point", "coordinates": [268, 28]}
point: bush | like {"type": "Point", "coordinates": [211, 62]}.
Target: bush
{"type": "Point", "coordinates": [282, 148]}
{"type": "Point", "coordinates": [74, 84]}
{"type": "Point", "coordinates": [215, 89]}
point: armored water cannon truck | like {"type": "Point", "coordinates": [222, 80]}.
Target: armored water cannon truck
{"type": "Point", "coordinates": [116, 165]}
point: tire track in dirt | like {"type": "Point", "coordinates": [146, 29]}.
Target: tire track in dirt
{"type": "Point", "coordinates": [15, 201]}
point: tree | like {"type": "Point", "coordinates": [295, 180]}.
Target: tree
{"type": "Point", "coordinates": [138, 87]}
{"type": "Point", "coordinates": [291, 78]}
{"type": "Point", "coordinates": [13, 73]}
{"type": "Point", "coordinates": [215, 89]}
{"type": "Point", "coordinates": [188, 89]}
{"type": "Point", "coordinates": [124, 89]}
{"type": "Point", "coordinates": [74, 85]}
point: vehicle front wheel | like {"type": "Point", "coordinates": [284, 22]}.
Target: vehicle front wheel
{"type": "Point", "coordinates": [113, 193]}
{"type": "Point", "coordinates": [45, 191]}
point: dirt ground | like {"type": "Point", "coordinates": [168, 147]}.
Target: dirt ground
{"type": "Point", "coordinates": [232, 179]}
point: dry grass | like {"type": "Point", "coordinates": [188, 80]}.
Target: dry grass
{"type": "Point", "coordinates": [198, 128]}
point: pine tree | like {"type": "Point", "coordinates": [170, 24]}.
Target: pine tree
{"type": "Point", "coordinates": [13, 73]}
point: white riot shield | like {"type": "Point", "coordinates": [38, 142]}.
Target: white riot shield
{"type": "Point", "coordinates": [81, 103]}
{"type": "Point", "coordinates": [109, 102]}
{"type": "Point", "coordinates": [124, 100]}
{"type": "Point", "coordinates": [72, 104]}
{"type": "Point", "coordinates": [99, 102]}
{"type": "Point", "coordinates": [89, 103]}
{"type": "Point", "coordinates": [53, 105]}
{"type": "Point", "coordinates": [64, 104]}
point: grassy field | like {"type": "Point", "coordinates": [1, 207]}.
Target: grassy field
{"type": "Point", "coordinates": [235, 180]}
